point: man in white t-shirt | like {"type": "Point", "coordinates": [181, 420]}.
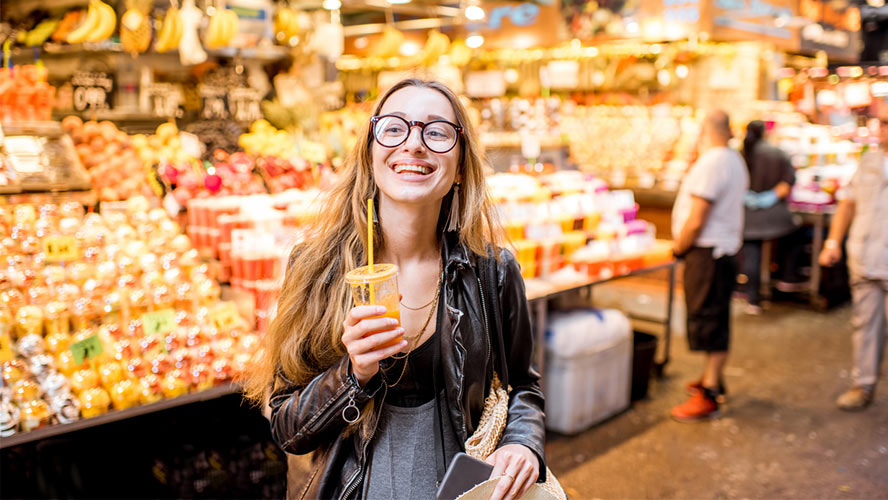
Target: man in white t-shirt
{"type": "Point", "coordinates": [707, 226]}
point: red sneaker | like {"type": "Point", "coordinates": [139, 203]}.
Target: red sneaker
{"type": "Point", "coordinates": [697, 385]}
{"type": "Point", "coordinates": [698, 407]}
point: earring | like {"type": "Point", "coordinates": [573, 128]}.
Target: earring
{"type": "Point", "coordinates": [453, 218]}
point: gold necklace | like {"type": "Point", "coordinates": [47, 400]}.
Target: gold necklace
{"type": "Point", "coordinates": [420, 308]}
{"type": "Point", "coordinates": [417, 337]}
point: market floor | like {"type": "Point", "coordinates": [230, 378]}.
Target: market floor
{"type": "Point", "coordinates": [780, 437]}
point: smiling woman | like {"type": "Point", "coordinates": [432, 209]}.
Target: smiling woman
{"type": "Point", "coordinates": [421, 165]}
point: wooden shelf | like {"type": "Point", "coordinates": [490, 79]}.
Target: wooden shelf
{"type": "Point", "coordinates": [52, 50]}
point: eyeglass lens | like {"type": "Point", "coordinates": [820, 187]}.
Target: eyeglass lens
{"type": "Point", "coordinates": [392, 131]}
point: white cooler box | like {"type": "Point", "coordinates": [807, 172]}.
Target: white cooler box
{"type": "Point", "coordinates": [588, 368]}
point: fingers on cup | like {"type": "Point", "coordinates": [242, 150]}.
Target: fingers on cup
{"type": "Point", "coordinates": [376, 355]}
{"type": "Point", "coordinates": [358, 313]}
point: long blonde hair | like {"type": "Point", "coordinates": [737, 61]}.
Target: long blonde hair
{"type": "Point", "coordinates": [303, 340]}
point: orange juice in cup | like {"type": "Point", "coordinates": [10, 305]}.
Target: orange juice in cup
{"type": "Point", "coordinates": [377, 285]}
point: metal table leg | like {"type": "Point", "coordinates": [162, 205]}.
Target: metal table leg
{"type": "Point", "coordinates": [817, 245]}
{"type": "Point", "coordinates": [667, 330]}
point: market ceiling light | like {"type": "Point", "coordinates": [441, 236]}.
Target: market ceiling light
{"type": "Point", "coordinates": [410, 48]}
{"type": "Point", "coordinates": [664, 78]}
{"type": "Point", "coordinates": [398, 2]}
{"type": "Point", "coordinates": [511, 75]}
{"type": "Point", "coordinates": [653, 29]}
{"type": "Point", "coordinates": [331, 4]}
{"type": "Point", "coordinates": [474, 41]}
{"type": "Point", "coordinates": [875, 3]}
{"type": "Point", "coordinates": [475, 13]}
{"type": "Point", "coordinates": [674, 31]}
{"type": "Point", "coordinates": [681, 71]}
{"type": "Point", "coordinates": [362, 42]}
{"type": "Point", "coordinates": [632, 28]}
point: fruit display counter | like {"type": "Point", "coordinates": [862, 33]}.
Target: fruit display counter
{"type": "Point", "coordinates": [106, 311]}
{"type": "Point", "coordinates": [570, 219]}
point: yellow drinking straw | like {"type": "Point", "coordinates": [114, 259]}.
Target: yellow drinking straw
{"type": "Point", "coordinates": [370, 245]}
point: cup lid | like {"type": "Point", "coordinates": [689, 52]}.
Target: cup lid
{"type": "Point", "coordinates": [366, 274]}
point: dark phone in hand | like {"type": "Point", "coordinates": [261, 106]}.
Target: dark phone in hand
{"type": "Point", "coordinates": [463, 474]}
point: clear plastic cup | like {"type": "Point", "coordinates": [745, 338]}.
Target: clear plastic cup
{"type": "Point", "coordinates": [377, 286]}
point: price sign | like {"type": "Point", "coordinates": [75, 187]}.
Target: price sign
{"type": "Point", "coordinates": [225, 317]}
{"type": "Point", "coordinates": [214, 104]}
{"type": "Point", "coordinates": [26, 153]}
{"type": "Point", "coordinates": [159, 322]}
{"type": "Point", "coordinates": [244, 104]}
{"type": "Point", "coordinates": [166, 99]}
{"type": "Point", "coordinates": [86, 349]}
{"type": "Point", "coordinates": [60, 248]}
{"type": "Point", "coordinates": [6, 353]}
{"type": "Point", "coordinates": [92, 90]}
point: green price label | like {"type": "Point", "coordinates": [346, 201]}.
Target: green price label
{"type": "Point", "coordinates": [159, 322]}
{"type": "Point", "coordinates": [86, 349]}
{"type": "Point", "coordinates": [60, 248]}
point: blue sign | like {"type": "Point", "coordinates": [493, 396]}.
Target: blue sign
{"type": "Point", "coordinates": [524, 14]}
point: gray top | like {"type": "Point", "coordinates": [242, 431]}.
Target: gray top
{"type": "Point", "coordinates": [868, 236]}
{"type": "Point", "coordinates": [402, 456]}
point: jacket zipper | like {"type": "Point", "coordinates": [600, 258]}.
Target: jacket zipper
{"type": "Point", "coordinates": [352, 482]}
{"type": "Point", "coordinates": [486, 323]}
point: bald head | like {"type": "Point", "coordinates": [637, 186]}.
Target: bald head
{"type": "Point", "coordinates": [717, 128]}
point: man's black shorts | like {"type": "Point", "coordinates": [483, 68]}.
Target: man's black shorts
{"type": "Point", "coordinates": [708, 286]}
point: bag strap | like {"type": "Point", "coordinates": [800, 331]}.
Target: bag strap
{"type": "Point", "coordinates": [437, 369]}
{"type": "Point", "coordinates": [491, 300]}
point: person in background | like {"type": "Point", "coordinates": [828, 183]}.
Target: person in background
{"type": "Point", "coordinates": [707, 224]}
{"type": "Point", "coordinates": [771, 176]}
{"type": "Point", "coordinates": [865, 211]}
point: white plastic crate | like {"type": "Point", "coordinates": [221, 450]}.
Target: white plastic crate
{"type": "Point", "coordinates": [587, 380]}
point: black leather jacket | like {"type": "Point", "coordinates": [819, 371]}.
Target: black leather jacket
{"type": "Point", "coordinates": [309, 418]}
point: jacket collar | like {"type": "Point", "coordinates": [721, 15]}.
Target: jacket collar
{"type": "Point", "coordinates": [454, 252]}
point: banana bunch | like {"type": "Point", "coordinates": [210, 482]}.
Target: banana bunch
{"type": "Point", "coordinates": [460, 53]}
{"type": "Point", "coordinates": [436, 46]}
{"type": "Point", "coordinates": [390, 43]}
{"type": "Point", "coordinates": [222, 29]}
{"type": "Point", "coordinates": [170, 31]}
{"type": "Point", "coordinates": [135, 26]}
{"type": "Point", "coordinates": [99, 24]}
{"type": "Point", "coordinates": [286, 25]}
{"type": "Point", "coordinates": [40, 33]}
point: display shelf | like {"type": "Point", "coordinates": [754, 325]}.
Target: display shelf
{"type": "Point", "coordinates": [117, 415]}
{"type": "Point", "coordinates": [51, 50]}
{"type": "Point", "coordinates": [112, 115]}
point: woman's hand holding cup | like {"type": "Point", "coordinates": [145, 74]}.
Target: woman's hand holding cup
{"type": "Point", "coordinates": [368, 339]}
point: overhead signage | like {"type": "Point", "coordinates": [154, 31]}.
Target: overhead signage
{"type": "Point", "coordinates": [521, 25]}
{"type": "Point", "coordinates": [743, 19]}
{"type": "Point", "coordinates": [834, 31]}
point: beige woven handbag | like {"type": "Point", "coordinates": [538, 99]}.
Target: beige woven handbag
{"type": "Point", "coordinates": [484, 440]}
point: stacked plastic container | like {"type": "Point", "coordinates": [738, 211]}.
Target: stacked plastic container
{"type": "Point", "coordinates": [588, 368]}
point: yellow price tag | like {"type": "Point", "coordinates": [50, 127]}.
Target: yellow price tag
{"type": "Point", "coordinates": [60, 248]}
{"type": "Point", "coordinates": [159, 322]}
{"type": "Point", "coordinates": [6, 353]}
{"type": "Point", "coordinates": [87, 348]}
{"type": "Point", "coordinates": [225, 317]}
